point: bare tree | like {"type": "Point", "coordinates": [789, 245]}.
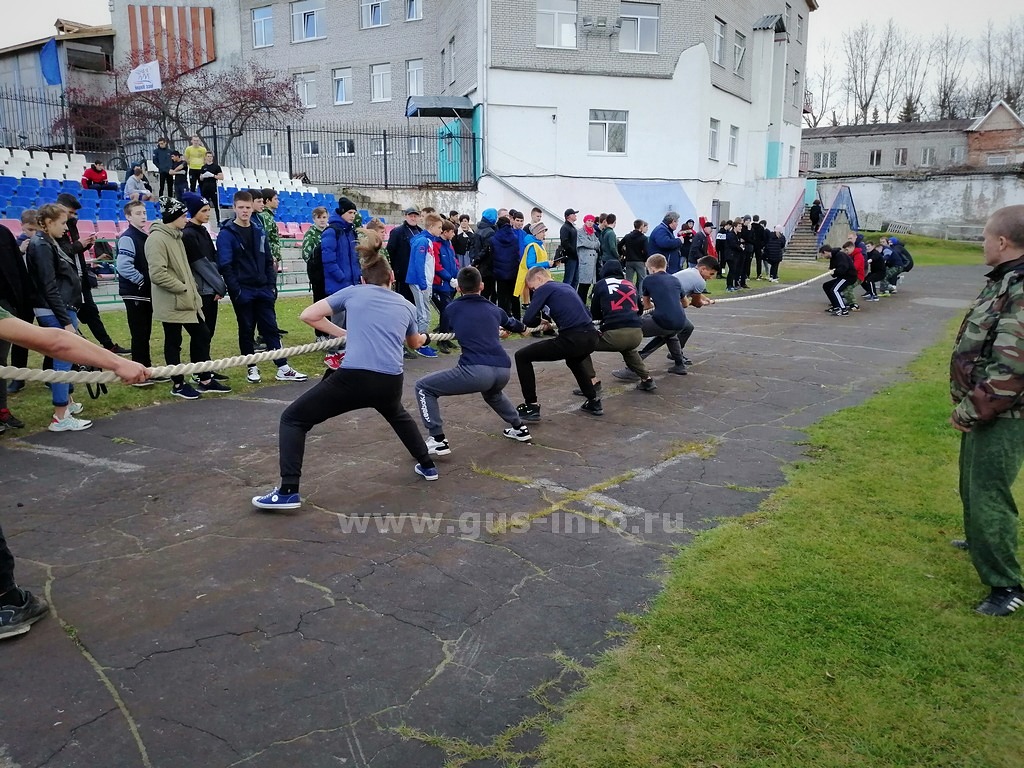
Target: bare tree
{"type": "Point", "coordinates": [949, 55]}
{"type": "Point", "coordinates": [822, 86]}
{"type": "Point", "coordinates": [1010, 58]}
{"type": "Point", "coordinates": [891, 86]}
{"type": "Point", "coordinates": [917, 57]}
{"type": "Point", "coordinates": [867, 52]}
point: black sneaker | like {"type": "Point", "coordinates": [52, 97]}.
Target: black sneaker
{"type": "Point", "coordinates": [646, 386]}
{"type": "Point", "coordinates": [625, 374]}
{"type": "Point", "coordinates": [212, 387]}
{"type": "Point", "coordinates": [686, 360]}
{"type": "Point", "coordinates": [185, 392]}
{"type": "Point", "coordinates": [8, 419]}
{"type": "Point", "coordinates": [1001, 601]}
{"type": "Point", "coordinates": [841, 313]}
{"type": "Point", "coordinates": [18, 619]}
{"type": "Point", "coordinates": [679, 369]}
{"type": "Point", "coordinates": [579, 392]}
{"type": "Point", "coordinates": [529, 412]}
{"type": "Point", "coordinates": [14, 387]}
{"type": "Point", "coordinates": [117, 349]}
{"type": "Point", "coordinates": [521, 434]}
{"type": "Point", "coordinates": [960, 544]}
{"type": "Point", "coordinates": [593, 407]}
{"type": "Point", "coordinates": [408, 354]}
{"type": "Point", "coordinates": [215, 376]}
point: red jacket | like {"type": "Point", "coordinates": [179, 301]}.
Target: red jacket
{"type": "Point", "coordinates": [92, 176]}
{"type": "Point", "coordinates": [858, 263]}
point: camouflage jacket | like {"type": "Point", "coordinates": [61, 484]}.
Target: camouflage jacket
{"type": "Point", "coordinates": [986, 373]}
{"type": "Point", "coordinates": [273, 236]}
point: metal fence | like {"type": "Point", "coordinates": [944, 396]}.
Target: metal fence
{"type": "Point", "coordinates": [418, 153]}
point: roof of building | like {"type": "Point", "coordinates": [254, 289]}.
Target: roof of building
{"type": "Point", "coordinates": [978, 122]}
{"type": "Point", "coordinates": [439, 106]}
{"type": "Point", "coordinates": [877, 129]}
{"type": "Point", "coordinates": [66, 30]}
{"type": "Point", "coordinates": [771, 21]}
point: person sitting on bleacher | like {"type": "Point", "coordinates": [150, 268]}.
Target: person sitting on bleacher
{"type": "Point", "coordinates": [137, 187]}
{"type": "Point", "coordinates": [95, 177]}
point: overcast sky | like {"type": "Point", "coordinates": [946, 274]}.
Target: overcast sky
{"type": "Point", "coordinates": [35, 18]}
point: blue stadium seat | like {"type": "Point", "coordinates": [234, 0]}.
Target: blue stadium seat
{"type": "Point", "coordinates": [109, 194]}
{"type": "Point", "coordinates": [51, 183]}
{"type": "Point", "coordinates": [89, 194]}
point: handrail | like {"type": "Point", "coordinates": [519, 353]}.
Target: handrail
{"type": "Point", "coordinates": [794, 216]}
{"type": "Point", "coordinates": [843, 201]}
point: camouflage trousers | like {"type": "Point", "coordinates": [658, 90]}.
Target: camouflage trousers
{"type": "Point", "coordinates": [991, 456]}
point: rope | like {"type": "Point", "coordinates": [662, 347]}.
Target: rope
{"type": "Point", "coordinates": [10, 373]}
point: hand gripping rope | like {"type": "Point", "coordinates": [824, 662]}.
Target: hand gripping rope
{"type": "Point", "coordinates": [184, 369]}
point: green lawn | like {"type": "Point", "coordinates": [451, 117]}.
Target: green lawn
{"type": "Point", "coordinates": [33, 405]}
{"type": "Point", "coordinates": [931, 251]}
{"type": "Point", "coordinates": [831, 628]}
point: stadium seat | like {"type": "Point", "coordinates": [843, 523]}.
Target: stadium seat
{"type": "Point", "coordinates": [24, 154]}
{"type": "Point", "coordinates": [85, 227]}
{"type": "Point", "coordinates": [12, 224]}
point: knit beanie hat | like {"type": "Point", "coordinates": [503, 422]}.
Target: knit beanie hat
{"type": "Point", "coordinates": [194, 203]}
{"type": "Point", "coordinates": [171, 209]}
{"type": "Point", "coordinates": [344, 206]}
{"type": "Point", "coordinates": [490, 215]}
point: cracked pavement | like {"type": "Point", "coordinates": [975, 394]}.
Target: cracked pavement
{"type": "Point", "coordinates": [190, 630]}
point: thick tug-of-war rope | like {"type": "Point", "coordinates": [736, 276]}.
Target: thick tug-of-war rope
{"type": "Point", "coordinates": [186, 369]}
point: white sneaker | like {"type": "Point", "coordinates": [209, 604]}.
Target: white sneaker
{"type": "Point", "coordinates": [287, 373]}
{"type": "Point", "coordinates": [253, 376]}
{"type": "Point", "coordinates": [438, 447]}
{"type": "Point", "coordinates": [69, 424]}
{"type": "Point", "coordinates": [75, 408]}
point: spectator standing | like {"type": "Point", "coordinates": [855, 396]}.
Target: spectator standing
{"type": "Point", "coordinates": [162, 161]}
{"type": "Point", "coordinates": [176, 300]}
{"type": "Point", "coordinates": [567, 238]}
{"type": "Point", "coordinates": [423, 256]}
{"type": "Point", "coordinates": [685, 234]}
{"type": "Point", "coordinates": [815, 215]}
{"type": "Point", "coordinates": [399, 246]}
{"type": "Point", "coordinates": [195, 157]}
{"type": "Point", "coordinates": [760, 233]}
{"type": "Point", "coordinates": [634, 247]}
{"type": "Point", "coordinates": [269, 224]}
{"type": "Point", "coordinates": [483, 258]}
{"type": "Point", "coordinates": [609, 240]}
{"type": "Point", "coordinates": [588, 246]}
{"type": "Point", "coordinates": [209, 175]}
{"type": "Point", "coordinates": [663, 240]}
{"type": "Point", "coordinates": [987, 389]}
{"type": "Point", "coordinates": [463, 241]}
{"type": "Point", "coordinates": [774, 251]}
{"type": "Point", "coordinates": [202, 260]}
{"type": "Point", "coordinates": [133, 283]}
{"type": "Point", "coordinates": [506, 254]}
{"type": "Point", "coordinates": [179, 174]}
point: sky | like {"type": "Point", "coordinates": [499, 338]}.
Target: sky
{"type": "Point", "coordinates": [35, 18]}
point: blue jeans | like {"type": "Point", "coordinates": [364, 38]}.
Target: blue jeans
{"type": "Point", "coordinates": [572, 272]}
{"type": "Point", "coordinates": [60, 392]}
{"type": "Point", "coordinates": [422, 297]}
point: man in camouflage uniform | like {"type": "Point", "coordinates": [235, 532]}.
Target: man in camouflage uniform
{"type": "Point", "coordinates": [270, 203]}
{"type": "Point", "coordinates": [987, 386]}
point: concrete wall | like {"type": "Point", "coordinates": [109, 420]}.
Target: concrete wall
{"type": "Point", "coordinates": [934, 202]}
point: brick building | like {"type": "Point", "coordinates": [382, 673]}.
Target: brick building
{"type": "Point", "coordinates": [996, 139]}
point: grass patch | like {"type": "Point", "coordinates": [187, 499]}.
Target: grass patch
{"type": "Point", "coordinates": [832, 628]}
{"type": "Point", "coordinates": [934, 252]}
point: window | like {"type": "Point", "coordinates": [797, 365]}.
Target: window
{"type": "Point", "coordinates": [309, 148]}
{"type": "Point", "coordinates": [556, 23]}
{"type": "Point", "coordinates": [380, 82]}
{"type": "Point", "coordinates": [373, 13]}
{"type": "Point", "coordinates": [789, 17]}
{"type": "Point", "coordinates": [305, 87]}
{"type": "Point", "coordinates": [413, 10]}
{"type": "Point", "coordinates": [451, 61]}
{"type": "Point", "coordinates": [718, 52]}
{"type": "Point", "coordinates": [713, 129]}
{"type": "Point", "coordinates": [343, 85]}
{"type": "Point", "coordinates": [956, 155]}
{"type": "Point", "coordinates": [996, 160]}
{"type": "Point", "coordinates": [739, 52]}
{"type": "Point", "coordinates": [377, 147]}
{"type": "Point", "coordinates": [639, 33]}
{"type": "Point", "coordinates": [415, 145]}
{"type": "Point", "coordinates": [262, 27]}
{"type": "Point", "coordinates": [928, 156]}
{"type": "Point", "coordinates": [414, 77]}
{"type": "Point", "coordinates": [875, 158]}
{"type": "Point", "coordinates": [345, 147]}
{"type": "Point", "coordinates": [308, 20]}
{"type": "Point", "coordinates": [799, 28]}
{"type": "Point", "coordinates": [265, 150]}
{"type": "Point", "coordinates": [797, 89]}
{"type": "Point", "coordinates": [608, 131]}
{"type": "Point", "coordinates": [792, 160]}
{"type": "Point", "coordinates": [826, 160]}
{"type": "Point", "coordinates": [444, 62]}
{"type": "Point", "coordinates": [734, 144]}
{"type": "Point", "coordinates": [899, 157]}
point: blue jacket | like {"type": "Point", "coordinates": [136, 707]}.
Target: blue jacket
{"type": "Point", "coordinates": [421, 245]}
{"type": "Point", "coordinates": [249, 274]}
{"type": "Point", "coordinates": [663, 240]}
{"type": "Point", "coordinates": [447, 268]}
{"type": "Point", "coordinates": [341, 262]}
{"type": "Point", "coordinates": [506, 252]}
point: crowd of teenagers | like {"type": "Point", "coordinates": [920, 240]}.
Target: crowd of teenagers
{"type": "Point", "coordinates": [878, 268]}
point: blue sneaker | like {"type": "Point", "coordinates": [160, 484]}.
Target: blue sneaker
{"type": "Point", "coordinates": [427, 473]}
{"type": "Point", "coordinates": [277, 500]}
{"type": "Point", "coordinates": [426, 352]}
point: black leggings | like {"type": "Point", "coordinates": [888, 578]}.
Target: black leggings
{"type": "Point", "coordinates": [507, 298]}
{"type": "Point", "coordinates": [7, 582]}
{"type": "Point", "coordinates": [198, 346]}
{"type": "Point", "coordinates": [89, 314]}
{"type": "Point", "coordinates": [166, 180]}
{"type": "Point", "coordinates": [346, 390]}
{"type": "Point", "coordinates": [140, 325]}
{"type": "Point", "coordinates": [574, 347]}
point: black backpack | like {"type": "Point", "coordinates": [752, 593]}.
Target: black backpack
{"type": "Point", "coordinates": [315, 265]}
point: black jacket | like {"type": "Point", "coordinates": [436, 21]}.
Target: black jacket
{"type": "Point", "coordinates": [842, 265]}
{"type": "Point", "coordinates": [71, 243]}
{"type": "Point", "coordinates": [774, 248]}
{"type": "Point", "coordinates": [761, 235]}
{"type": "Point", "coordinates": [633, 247]}
{"type": "Point", "coordinates": [615, 302]}
{"type": "Point", "coordinates": [482, 257]}
{"type": "Point", "coordinates": [202, 259]}
{"type": "Point", "coordinates": [16, 290]}
{"type": "Point", "coordinates": [55, 277]}
{"type": "Point", "coordinates": [399, 247]}
{"type": "Point", "coordinates": [567, 239]}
